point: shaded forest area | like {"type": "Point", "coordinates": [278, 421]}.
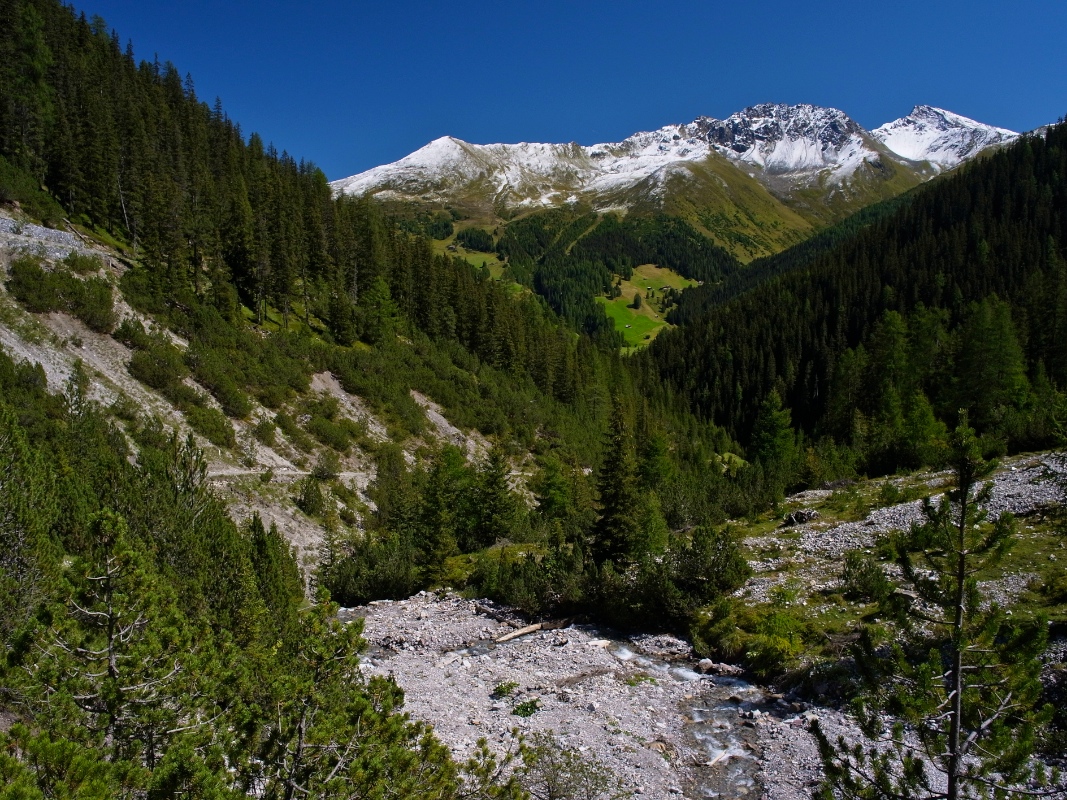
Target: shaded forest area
{"type": "Point", "coordinates": [872, 337]}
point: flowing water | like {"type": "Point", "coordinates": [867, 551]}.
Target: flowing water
{"type": "Point", "coordinates": [715, 726]}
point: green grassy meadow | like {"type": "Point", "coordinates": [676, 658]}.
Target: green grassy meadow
{"type": "Point", "coordinates": [640, 326]}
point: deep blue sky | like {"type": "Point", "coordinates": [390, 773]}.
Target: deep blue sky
{"type": "Point", "coordinates": [350, 85]}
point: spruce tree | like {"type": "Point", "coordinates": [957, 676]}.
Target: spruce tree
{"type": "Point", "coordinates": [494, 511]}
{"type": "Point", "coordinates": [617, 532]}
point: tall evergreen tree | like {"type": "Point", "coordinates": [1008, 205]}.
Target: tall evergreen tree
{"type": "Point", "coordinates": [617, 531]}
{"type": "Point", "coordinates": [494, 507]}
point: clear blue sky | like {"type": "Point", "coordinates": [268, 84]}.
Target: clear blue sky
{"type": "Point", "coordinates": [350, 85]}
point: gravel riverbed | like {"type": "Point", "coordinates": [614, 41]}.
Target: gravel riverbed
{"type": "Point", "coordinates": [641, 705]}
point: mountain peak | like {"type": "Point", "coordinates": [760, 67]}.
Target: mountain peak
{"type": "Point", "coordinates": [782, 138]}
{"type": "Point", "coordinates": [941, 137]}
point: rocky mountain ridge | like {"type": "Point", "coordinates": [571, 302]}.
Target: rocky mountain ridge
{"type": "Point", "coordinates": [785, 149]}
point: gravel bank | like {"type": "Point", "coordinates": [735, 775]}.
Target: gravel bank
{"type": "Point", "coordinates": [639, 706]}
{"type": "Point", "coordinates": [1023, 485]}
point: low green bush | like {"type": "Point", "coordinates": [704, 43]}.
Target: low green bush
{"type": "Point", "coordinates": [381, 567]}
{"type": "Point", "coordinates": [864, 578]}
{"type": "Point", "coordinates": [82, 263]}
{"type": "Point", "coordinates": [211, 424]}
{"type": "Point", "coordinates": [300, 440]}
{"type": "Point", "coordinates": [160, 366]}
{"type": "Point", "coordinates": [526, 709]}
{"type": "Point", "coordinates": [43, 290]}
{"type": "Point", "coordinates": [264, 431]}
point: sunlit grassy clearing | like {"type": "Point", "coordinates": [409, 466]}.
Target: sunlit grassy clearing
{"type": "Point", "coordinates": [639, 326]}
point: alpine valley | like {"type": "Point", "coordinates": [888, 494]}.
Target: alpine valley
{"type": "Point", "coordinates": [645, 469]}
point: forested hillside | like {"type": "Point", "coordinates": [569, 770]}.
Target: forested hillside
{"type": "Point", "coordinates": [870, 338]}
{"type": "Point", "coordinates": [569, 257]}
{"type": "Point", "coordinates": [162, 641]}
{"type": "Point", "coordinates": [230, 278]}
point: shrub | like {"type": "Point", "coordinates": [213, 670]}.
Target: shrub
{"type": "Point", "coordinates": [82, 263]}
{"type": "Point", "coordinates": [553, 771]}
{"type": "Point", "coordinates": [264, 432]}
{"type": "Point", "coordinates": [211, 424]}
{"type": "Point", "coordinates": [41, 291]}
{"type": "Point", "coordinates": [36, 289]}
{"type": "Point", "coordinates": [505, 689]}
{"type": "Point", "coordinates": [92, 302]}
{"type": "Point", "coordinates": [214, 372]}
{"type": "Point", "coordinates": [377, 568]}
{"type": "Point", "coordinates": [327, 467]}
{"type": "Point", "coordinates": [1056, 589]}
{"type": "Point", "coordinates": [160, 365]}
{"type": "Point", "coordinates": [767, 640]}
{"type": "Point", "coordinates": [864, 578]}
{"type": "Point", "coordinates": [310, 498]}
{"type": "Point", "coordinates": [184, 396]}
{"type": "Point", "coordinates": [292, 431]}
{"type": "Point", "coordinates": [330, 434]}
{"type": "Point", "coordinates": [527, 708]}
{"type": "Point", "coordinates": [132, 334]}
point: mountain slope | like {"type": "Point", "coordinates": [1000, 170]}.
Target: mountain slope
{"type": "Point", "coordinates": [953, 299]}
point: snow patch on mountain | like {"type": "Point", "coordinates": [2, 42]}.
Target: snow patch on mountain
{"type": "Point", "coordinates": [783, 138]}
{"type": "Point", "coordinates": [941, 137]}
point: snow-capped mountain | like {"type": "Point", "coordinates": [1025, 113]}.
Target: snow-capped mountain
{"type": "Point", "coordinates": [790, 139]}
{"type": "Point", "coordinates": [801, 141]}
{"type": "Point", "coordinates": [940, 137]}
{"type": "Point", "coordinates": [755, 181]}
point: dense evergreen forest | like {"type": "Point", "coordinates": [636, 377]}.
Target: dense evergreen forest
{"type": "Point", "coordinates": [870, 338]}
{"type": "Point", "coordinates": [155, 647]}
{"type": "Point", "coordinates": [570, 257]}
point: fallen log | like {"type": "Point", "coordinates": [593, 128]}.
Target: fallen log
{"type": "Point", "coordinates": [507, 637]}
{"type": "Point", "coordinates": [537, 626]}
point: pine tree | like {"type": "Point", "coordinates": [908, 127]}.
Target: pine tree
{"type": "Point", "coordinates": [334, 734]}
{"type": "Point", "coordinates": [961, 690]}
{"type": "Point", "coordinates": [117, 668]}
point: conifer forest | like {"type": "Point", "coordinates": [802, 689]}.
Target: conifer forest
{"type": "Point", "coordinates": [157, 643]}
